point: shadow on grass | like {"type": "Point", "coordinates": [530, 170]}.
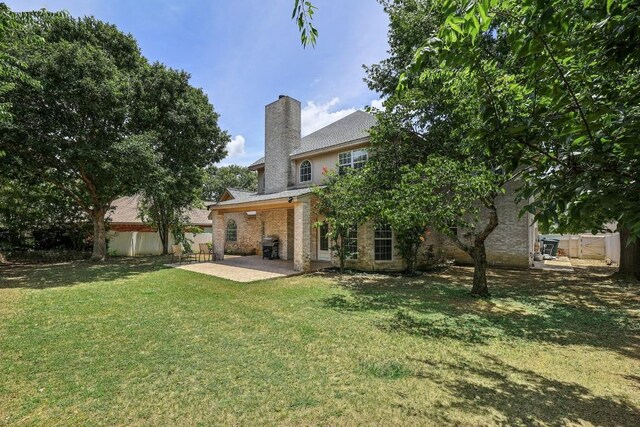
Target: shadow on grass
{"type": "Point", "coordinates": [43, 276]}
{"type": "Point", "coordinates": [517, 396]}
{"type": "Point", "coordinates": [583, 309]}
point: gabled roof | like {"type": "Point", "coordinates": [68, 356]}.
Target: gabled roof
{"type": "Point", "coordinates": [258, 162]}
{"type": "Point", "coordinates": [233, 193]}
{"type": "Point", "coordinates": [126, 212]}
{"type": "Point", "coordinates": [353, 127]}
{"type": "Point", "coordinates": [350, 128]}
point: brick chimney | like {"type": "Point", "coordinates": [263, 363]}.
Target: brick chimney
{"type": "Point", "coordinates": [281, 137]}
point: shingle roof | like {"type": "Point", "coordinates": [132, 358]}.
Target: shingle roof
{"type": "Point", "coordinates": [350, 128]}
{"type": "Point", "coordinates": [260, 161]}
{"type": "Point", "coordinates": [245, 197]}
{"type": "Point", "coordinates": [238, 192]}
{"type": "Point", "coordinates": [126, 212]}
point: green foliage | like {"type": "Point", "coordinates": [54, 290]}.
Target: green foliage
{"type": "Point", "coordinates": [185, 138]}
{"type": "Point", "coordinates": [31, 209]}
{"type": "Point", "coordinates": [302, 14]}
{"type": "Point", "coordinates": [342, 204]}
{"type": "Point", "coordinates": [439, 195]}
{"type": "Point", "coordinates": [73, 129]}
{"type": "Point", "coordinates": [14, 30]}
{"type": "Point", "coordinates": [433, 153]}
{"type": "Point", "coordinates": [102, 123]}
{"type": "Point", "coordinates": [218, 178]}
{"type": "Point", "coordinates": [573, 68]}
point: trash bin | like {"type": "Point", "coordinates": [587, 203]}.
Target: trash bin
{"type": "Point", "coordinates": [554, 242]}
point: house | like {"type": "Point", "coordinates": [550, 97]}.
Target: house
{"type": "Point", "coordinates": [284, 205]}
{"type": "Point", "coordinates": [129, 236]}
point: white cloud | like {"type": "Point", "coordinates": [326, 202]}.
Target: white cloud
{"type": "Point", "coordinates": [316, 116]}
{"type": "Point", "coordinates": [237, 153]}
{"type": "Point", "coordinates": [235, 147]}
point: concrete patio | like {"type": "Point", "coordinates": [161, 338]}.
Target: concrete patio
{"type": "Point", "coordinates": [247, 268]}
{"type": "Point", "coordinates": [559, 264]}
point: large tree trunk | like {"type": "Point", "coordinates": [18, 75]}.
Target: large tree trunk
{"type": "Point", "coordinates": [478, 251]}
{"type": "Point", "coordinates": [99, 235]}
{"type": "Point", "coordinates": [629, 256]}
{"type": "Point", "coordinates": [164, 238]}
{"type": "Point", "coordinates": [480, 287]}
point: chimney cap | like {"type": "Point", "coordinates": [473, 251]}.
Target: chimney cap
{"type": "Point", "coordinates": [281, 96]}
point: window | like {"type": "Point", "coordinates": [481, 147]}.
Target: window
{"type": "Point", "coordinates": [383, 243]}
{"type": "Point", "coordinates": [351, 242]}
{"type": "Point", "coordinates": [232, 231]}
{"type": "Point", "coordinates": [352, 159]}
{"type": "Point", "coordinates": [305, 171]}
{"type": "Point", "coordinates": [359, 158]}
{"type": "Point", "coordinates": [324, 237]}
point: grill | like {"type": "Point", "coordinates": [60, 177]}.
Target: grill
{"type": "Point", "coordinates": [270, 246]}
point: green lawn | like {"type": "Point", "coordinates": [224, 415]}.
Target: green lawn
{"type": "Point", "coordinates": [129, 342]}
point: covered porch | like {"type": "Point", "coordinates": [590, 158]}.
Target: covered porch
{"type": "Point", "coordinates": [241, 220]}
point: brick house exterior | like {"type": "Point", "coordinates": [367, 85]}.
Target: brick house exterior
{"type": "Point", "coordinates": [284, 206]}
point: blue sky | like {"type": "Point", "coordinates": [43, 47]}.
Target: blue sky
{"type": "Point", "coordinates": [244, 53]}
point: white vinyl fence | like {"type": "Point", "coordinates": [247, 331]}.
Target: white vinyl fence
{"type": "Point", "coordinates": [134, 243]}
{"type": "Point", "coordinates": [590, 246]}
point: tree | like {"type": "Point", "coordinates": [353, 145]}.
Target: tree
{"type": "Point", "coordinates": [340, 203]}
{"type": "Point", "coordinates": [73, 129]}
{"type": "Point", "coordinates": [185, 137]}
{"type": "Point", "coordinates": [218, 178]}
{"type": "Point", "coordinates": [574, 66]}
{"type": "Point", "coordinates": [31, 210]}
{"type": "Point", "coordinates": [432, 151]}
{"type": "Point", "coordinates": [12, 30]}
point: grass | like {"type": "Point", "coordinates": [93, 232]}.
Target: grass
{"type": "Point", "coordinates": [129, 342]}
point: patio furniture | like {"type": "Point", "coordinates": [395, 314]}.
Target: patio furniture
{"type": "Point", "coordinates": [206, 251]}
{"type": "Point", "coordinates": [178, 252]}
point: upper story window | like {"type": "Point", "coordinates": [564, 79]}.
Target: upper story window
{"type": "Point", "coordinates": [305, 171]}
{"type": "Point", "coordinates": [352, 159]}
{"type": "Point", "coordinates": [232, 231]}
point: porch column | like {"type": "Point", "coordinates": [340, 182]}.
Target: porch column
{"type": "Point", "coordinates": [218, 232]}
{"type": "Point", "coordinates": [302, 236]}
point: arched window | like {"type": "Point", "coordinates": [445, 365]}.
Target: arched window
{"type": "Point", "coordinates": [232, 231]}
{"type": "Point", "coordinates": [305, 171]}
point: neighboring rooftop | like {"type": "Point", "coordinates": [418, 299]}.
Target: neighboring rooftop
{"type": "Point", "coordinates": [350, 128]}
{"type": "Point", "coordinates": [126, 212]}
